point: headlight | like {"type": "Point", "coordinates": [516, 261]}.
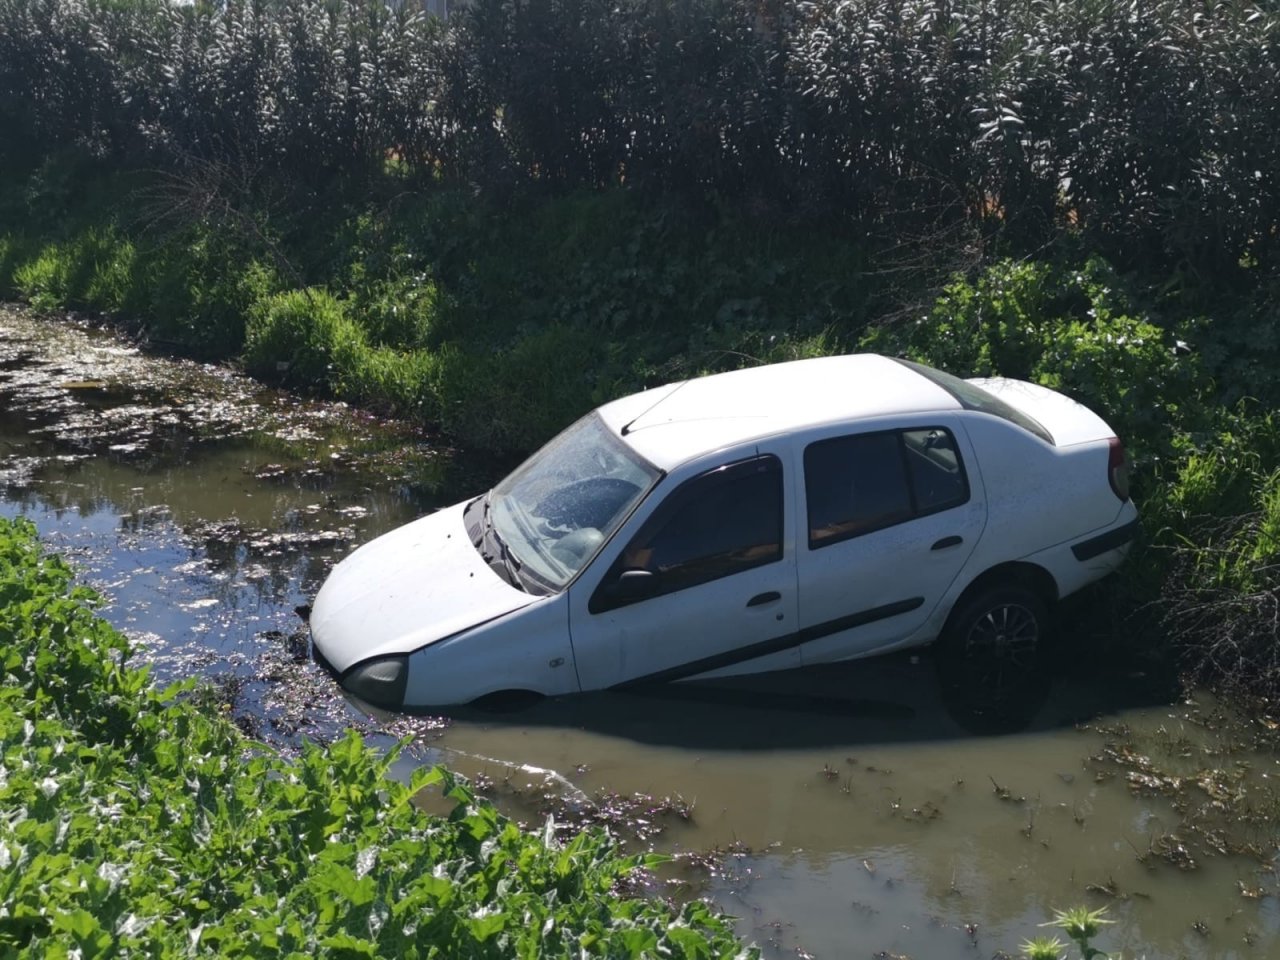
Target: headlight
{"type": "Point", "coordinates": [380, 682]}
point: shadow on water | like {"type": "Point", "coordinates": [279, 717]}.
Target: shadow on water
{"type": "Point", "coordinates": [894, 698]}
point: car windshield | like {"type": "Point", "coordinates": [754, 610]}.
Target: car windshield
{"type": "Point", "coordinates": [560, 506]}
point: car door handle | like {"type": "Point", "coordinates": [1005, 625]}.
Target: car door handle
{"type": "Point", "coordinates": [762, 598]}
{"type": "Point", "coordinates": [952, 541]}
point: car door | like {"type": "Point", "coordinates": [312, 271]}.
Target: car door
{"type": "Point", "coordinates": [887, 520]}
{"type": "Point", "coordinates": [705, 581]}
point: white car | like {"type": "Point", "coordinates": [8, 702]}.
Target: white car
{"type": "Point", "coordinates": [799, 513]}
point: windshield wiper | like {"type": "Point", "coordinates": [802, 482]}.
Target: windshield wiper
{"type": "Point", "coordinates": [510, 562]}
{"type": "Point", "coordinates": [478, 543]}
{"type": "Point", "coordinates": [510, 565]}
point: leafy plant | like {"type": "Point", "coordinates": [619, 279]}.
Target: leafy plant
{"type": "Point", "coordinates": [132, 821]}
{"type": "Point", "coordinates": [1082, 925]}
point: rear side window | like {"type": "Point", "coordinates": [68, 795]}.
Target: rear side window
{"type": "Point", "coordinates": [862, 483]}
{"type": "Point", "coordinates": [937, 478]}
{"type": "Point", "coordinates": [716, 525]}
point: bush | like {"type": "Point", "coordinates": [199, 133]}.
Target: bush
{"type": "Point", "coordinates": [93, 270]}
{"type": "Point", "coordinates": [43, 281]}
{"type": "Point", "coordinates": [15, 250]}
{"type": "Point", "coordinates": [1071, 330]}
{"type": "Point", "coordinates": [309, 339]}
{"type": "Point", "coordinates": [132, 822]}
{"type": "Point", "coordinates": [302, 337]}
{"type": "Point", "coordinates": [195, 287]}
{"type": "Point", "coordinates": [1221, 596]}
{"type": "Point", "coordinates": [404, 383]}
{"type": "Point", "coordinates": [922, 124]}
{"type": "Point", "coordinates": [401, 311]}
{"type": "Point", "coordinates": [1214, 523]}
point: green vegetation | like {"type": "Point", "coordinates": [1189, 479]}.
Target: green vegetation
{"type": "Point", "coordinates": [1081, 924]}
{"type": "Point", "coordinates": [131, 821]}
{"type": "Point", "coordinates": [491, 225]}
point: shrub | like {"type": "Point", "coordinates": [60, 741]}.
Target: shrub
{"type": "Point", "coordinates": [302, 337]}
{"type": "Point", "coordinates": [93, 269]}
{"type": "Point", "coordinates": [43, 281]}
{"type": "Point", "coordinates": [1221, 596]}
{"type": "Point", "coordinates": [309, 339]}
{"type": "Point", "coordinates": [194, 288]}
{"type": "Point", "coordinates": [400, 312]}
{"type": "Point", "coordinates": [110, 284]}
{"type": "Point", "coordinates": [1071, 330]}
{"type": "Point", "coordinates": [401, 382]}
{"type": "Point", "coordinates": [1213, 524]}
{"type": "Point", "coordinates": [15, 250]}
{"type": "Point", "coordinates": [920, 123]}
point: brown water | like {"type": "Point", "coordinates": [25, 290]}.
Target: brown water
{"type": "Point", "coordinates": [853, 811]}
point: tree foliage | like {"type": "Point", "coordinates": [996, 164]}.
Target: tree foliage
{"type": "Point", "coordinates": [1151, 125]}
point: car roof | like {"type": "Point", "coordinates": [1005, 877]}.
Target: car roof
{"type": "Point", "coordinates": [671, 424]}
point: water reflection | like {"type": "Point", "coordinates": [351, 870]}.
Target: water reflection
{"type": "Point", "coordinates": [206, 507]}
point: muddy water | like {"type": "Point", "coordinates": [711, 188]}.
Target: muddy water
{"type": "Point", "coordinates": [864, 810]}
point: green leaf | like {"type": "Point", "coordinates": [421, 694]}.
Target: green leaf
{"type": "Point", "coordinates": [79, 923]}
{"type": "Point", "coordinates": [482, 928]}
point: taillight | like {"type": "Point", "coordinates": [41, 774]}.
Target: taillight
{"type": "Point", "coordinates": [1118, 469]}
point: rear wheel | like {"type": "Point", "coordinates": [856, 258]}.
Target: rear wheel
{"type": "Point", "coordinates": [996, 639]}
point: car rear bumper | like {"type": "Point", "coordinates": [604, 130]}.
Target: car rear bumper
{"type": "Point", "coordinates": [1106, 542]}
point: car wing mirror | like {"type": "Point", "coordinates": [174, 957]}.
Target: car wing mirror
{"type": "Point", "coordinates": [635, 585]}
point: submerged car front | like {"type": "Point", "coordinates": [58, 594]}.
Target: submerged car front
{"type": "Point", "coordinates": [469, 601]}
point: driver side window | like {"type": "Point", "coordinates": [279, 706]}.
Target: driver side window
{"type": "Point", "coordinates": [716, 525]}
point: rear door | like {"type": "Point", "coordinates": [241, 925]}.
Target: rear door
{"type": "Point", "coordinates": [707, 580]}
{"type": "Point", "coordinates": [886, 520]}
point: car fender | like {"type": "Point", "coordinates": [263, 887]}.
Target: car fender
{"type": "Point", "coordinates": [526, 650]}
{"type": "Point", "coordinates": [1069, 574]}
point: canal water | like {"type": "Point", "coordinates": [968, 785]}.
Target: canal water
{"type": "Point", "coordinates": [862, 810]}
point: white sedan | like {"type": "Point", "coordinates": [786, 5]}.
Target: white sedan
{"type": "Point", "coordinates": [782, 515]}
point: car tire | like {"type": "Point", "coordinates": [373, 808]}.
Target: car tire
{"type": "Point", "coordinates": [996, 640]}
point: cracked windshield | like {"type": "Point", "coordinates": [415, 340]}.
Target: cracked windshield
{"type": "Point", "coordinates": [460, 497]}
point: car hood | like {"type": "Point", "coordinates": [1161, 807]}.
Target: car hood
{"type": "Point", "coordinates": [407, 589]}
{"type": "Point", "coordinates": [1067, 421]}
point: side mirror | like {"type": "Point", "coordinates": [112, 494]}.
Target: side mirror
{"type": "Point", "coordinates": [634, 585]}
{"type": "Point", "coordinates": [627, 587]}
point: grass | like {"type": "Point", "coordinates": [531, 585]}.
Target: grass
{"type": "Point", "coordinates": [132, 822]}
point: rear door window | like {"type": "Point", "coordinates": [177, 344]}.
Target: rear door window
{"type": "Point", "coordinates": [866, 482]}
{"type": "Point", "coordinates": [937, 477]}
